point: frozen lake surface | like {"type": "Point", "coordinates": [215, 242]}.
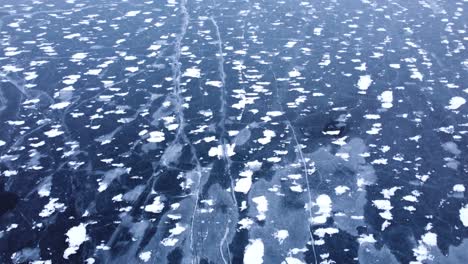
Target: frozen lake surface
{"type": "Point", "coordinates": [233, 131]}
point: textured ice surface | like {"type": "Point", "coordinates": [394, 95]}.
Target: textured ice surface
{"type": "Point", "coordinates": [233, 131]}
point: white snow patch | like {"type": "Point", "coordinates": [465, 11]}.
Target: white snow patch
{"type": "Point", "coordinates": [459, 188]}
{"type": "Point", "coordinates": [321, 232]}
{"type": "Point", "coordinates": [339, 190]}
{"type": "Point", "coordinates": [364, 82]}
{"type": "Point", "coordinates": [76, 236]}
{"type": "Point", "coordinates": [464, 215]}
{"type": "Point", "coordinates": [156, 207]}
{"type": "Point", "coordinates": [94, 72]}
{"type": "Point", "coordinates": [192, 72]}
{"type": "Point", "coordinates": [145, 256]}
{"type": "Point", "coordinates": [281, 235]}
{"type": "Point", "coordinates": [132, 13]}
{"type": "Point", "coordinates": [262, 206]}
{"type": "Point", "coordinates": [430, 239]}
{"type": "Point", "coordinates": [456, 102]}
{"type": "Point", "coordinates": [60, 105]}
{"type": "Point", "coordinates": [131, 69]}
{"type": "Point", "coordinates": [294, 73]}
{"type": "Point", "coordinates": [254, 252]}
{"type": "Point", "coordinates": [79, 56]}
{"type": "Point", "coordinates": [53, 133]}
{"type": "Point", "coordinates": [243, 184]}
{"type": "Point", "coordinates": [219, 150]}
{"type": "Point", "coordinates": [245, 223]}
{"type": "Point", "coordinates": [386, 98]}
{"type": "Point", "coordinates": [292, 260]}
{"type": "Point", "coordinates": [268, 135]}
{"type": "Point", "coordinates": [214, 83]}
{"type": "Point", "coordinates": [51, 207]}
{"type": "Point", "coordinates": [154, 47]}
{"type": "Point", "coordinates": [156, 137]}
{"type": "Point", "coordinates": [324, 203]}
{"type": "Point", "coordinates": [385, 206]}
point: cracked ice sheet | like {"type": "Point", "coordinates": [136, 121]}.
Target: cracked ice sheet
{"type": "Point", "coordinates": [115, 132]}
